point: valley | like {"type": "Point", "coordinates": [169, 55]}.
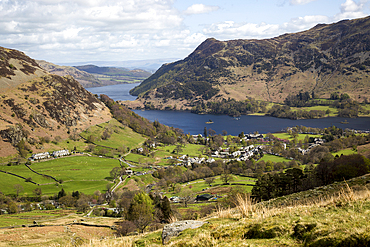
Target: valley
{"type": "Point", "coordinates": [91, 171]}
{"type": "Point", "coordinates": [278, 152]}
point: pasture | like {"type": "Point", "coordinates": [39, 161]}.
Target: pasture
{"type": "Point", "coordinates": [120, 136]}
{"type": "Point", "coordinates": [77, 173]}
{"type": "Point", "coordinates": [273, 158]}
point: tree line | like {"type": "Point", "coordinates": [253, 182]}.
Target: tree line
{"type": "Point", "coordinates": [293, 180]}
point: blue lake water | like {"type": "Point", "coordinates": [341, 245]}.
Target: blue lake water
{"type": "Point", "coordinates": [194, 123]}
{"type": "Point", "coordinates": [115, 92]}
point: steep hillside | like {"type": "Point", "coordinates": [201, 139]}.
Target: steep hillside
{"type": "Point", "coordinates": [324, 59]}
{"type": "Point", "coordinates": [39, 106]}
{"type": "Point", "coordinates": [16, 68]}
{"type": "Point", "coordinates": [84, 78]}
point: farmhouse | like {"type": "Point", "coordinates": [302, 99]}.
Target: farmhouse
{"type": "Point", "coordinates": [40, 156]}
{"type": "Point", "coordinates": [60, 153]}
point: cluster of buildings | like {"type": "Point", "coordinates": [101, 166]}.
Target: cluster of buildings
{"type": "Point", "coordinates": [47, 155]}
{"type": "Point", "coordinates": [243, 154]}
{"type": "Point", "coordinates": [317, 142]}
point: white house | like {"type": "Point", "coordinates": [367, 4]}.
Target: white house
{"type": "Point", "coordinates": [60, 153]}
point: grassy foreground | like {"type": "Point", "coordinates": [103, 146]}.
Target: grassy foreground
{"type": "Point", "coordinates": [333, 215]}
{"type": "Point", "coordinates": [339, 219]}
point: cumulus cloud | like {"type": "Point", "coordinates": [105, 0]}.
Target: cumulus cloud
{"type": "Point", "coordinates": [231, 30]}
{"type": "Point", "coordinates": [88, 27]}
{"type": "Point", "coordinates": [350, 9]}
{"type": "Point", "coordinates": [303, 23]}
{"type": "Point", "coordinates": [90, 30]}
{"type": "Point", "coordinates": [200, 9]}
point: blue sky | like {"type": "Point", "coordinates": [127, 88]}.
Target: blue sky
{"type": "Point", "coordinates": [66, 31]}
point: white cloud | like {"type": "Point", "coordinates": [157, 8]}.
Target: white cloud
{"type": "Point", "coordinates": [303, 23]}
{"type": "Point", "coordinates": [300, 2]}
{"type": "Point", "coordinates": [232, 30]}
{"type": "Point", "coordinates": [77, 30]}
{"type": "Point", "coordinates": [200, 9]}
{"type": "Point", "coordinates": [350, 9]}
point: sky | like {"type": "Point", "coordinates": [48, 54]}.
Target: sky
{"type": "Point", "coordinates": [64, 31]}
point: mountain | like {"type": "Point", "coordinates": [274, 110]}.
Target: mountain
{"type": "Point", "coordinates": [84, 78]}
{"type": "Point", "coordinates": [325, 59]}
{"type": "Point", "coordinates": [150, 65]}
{"type": "Point", "coordinates": [113, 71]}
{"type": "Point", "coordinates": [39, 107]}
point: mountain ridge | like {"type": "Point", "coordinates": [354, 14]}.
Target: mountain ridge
{"type": "Point", "coordinates": [324, 59]}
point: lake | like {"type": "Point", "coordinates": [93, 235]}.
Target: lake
{"type": "Point", "coordinates": [115, 92]}
{"type": "Point", "coordinates": [194, 123]}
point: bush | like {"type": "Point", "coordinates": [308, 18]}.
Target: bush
{"type": "Point", "coordinates": [49, 206]}
{"type": "Point", "coordinates": [125, 228]}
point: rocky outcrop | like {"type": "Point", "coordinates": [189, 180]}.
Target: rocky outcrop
{"type": "Point", "coordinates": [174, 229]}
{"type": "Point", "coordinates": [14, 134]}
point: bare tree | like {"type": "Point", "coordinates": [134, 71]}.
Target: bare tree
{"type": "Point", "coordinates": [18, 188]}
{"type": "Point", "coordinates": [187, 195]}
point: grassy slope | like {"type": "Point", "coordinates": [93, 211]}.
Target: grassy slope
{"type": "Point", "coordinates": [334, 215]}
{"type": "Point", "coordinates": [82, 173]}
{"type": "Point", "coordinates": [121, 136]}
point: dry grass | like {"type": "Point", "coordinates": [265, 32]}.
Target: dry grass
{"type": "Point", "coordinates": [223, 213]}
{"type": "Point", "coordinates": [336, 218]}
{"type": "Point", "coordinates": [248, 208]}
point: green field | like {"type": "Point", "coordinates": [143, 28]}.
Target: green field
{"type": "Point", "coordinates": [79, 173]}
{"type": "Point", "coordinates": [274, 158]}
{"type": "Point", "coordinates": [345, 152]}
{"type": "Point", "coordinates": [286, 136]}
{"type": "Point", "coordinates": [333, 111]}
{"type": "Point", "coordinates": [200, 185]}
{"type": "Point", "coordinates": [120, 136]}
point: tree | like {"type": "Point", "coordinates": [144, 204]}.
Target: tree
{"type": "Point", "coordinates": [202, 149]}
{"type": "Point", "coordinates": [106, 134]}
{"type": "Point", "coordinates": [37, 191]}
{"type": "Point", "coordinates": [125, 227]}
{"type": "Point", "coordinates": [226, 177]}
{"type": "Point", "coordinates": [209, 180]}
{"type": "Point", "coordinates": [82, 203]}
{"type": "Point", "coordinates": [140, 211]}
{"type": "Point", "coordinates": [115, 172]}
{"type": "Point", "coordinates": [269, 166]}
{"type": "Point", "coordinates": [211, 132]}
{"type": "Point", "coordinates": [61, 193]}
{"type": "Point", "coordinates": [165, 206]}
{"type": "Point", "coordinates": [18, 189]}
{"type": "Point", "coordinates": [187, 195]}
{"type": "Point", "coordinates": [68, 201]}
{"type": "Point", "coordinates": [178, 149]}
